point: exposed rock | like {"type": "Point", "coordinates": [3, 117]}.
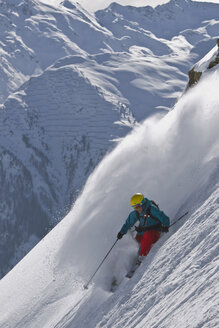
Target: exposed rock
{"type": "Point", "coordinates": [194, 75]}
{"type": "Point", "coordinates": [216, 60]}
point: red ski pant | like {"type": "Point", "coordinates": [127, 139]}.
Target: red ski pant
{"type": "Point", "coordinates": [146, 241]}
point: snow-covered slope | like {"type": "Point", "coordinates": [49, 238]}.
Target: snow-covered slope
{"type": "Point", "coordinates": [88, 81]}
{"type": "Point", "coordinates": [177, 17]}
{"type": "Point", "coordinates": [173, 160]}
{"type": "Point", "coordinates": [49, 147]}
{"type": "Point", "coordinates": [33, 35]}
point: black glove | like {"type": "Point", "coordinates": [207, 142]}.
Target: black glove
{"type": "Point", "coordinates": [165, 229]}
{"type": "Point", "coordinates": [120, 235]}
{"type": "Point", "coordinates": [140, 229]}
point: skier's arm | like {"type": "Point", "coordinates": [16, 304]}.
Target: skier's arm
{"type": "Point", "coordinates": [130, 221]}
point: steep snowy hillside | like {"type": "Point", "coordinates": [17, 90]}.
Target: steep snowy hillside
{"type": "Point", "coordinates": [186, 27]}
{"type": "Point", "coordinates": [173, 160]}
{"type": "Point", "coordinates": [89, 80]}
{"type": "Point", "coordinates": [54, 131]}
{"type": "Point", "coordinates": [204, 65]}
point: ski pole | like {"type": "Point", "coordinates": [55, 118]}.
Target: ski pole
{"type": "Point", "coordinates": [182, 216]}
{"type": "Point", "coordinates": [86, 286]}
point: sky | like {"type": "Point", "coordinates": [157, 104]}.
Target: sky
{"type": "Point", "coordinates": [95, 5]}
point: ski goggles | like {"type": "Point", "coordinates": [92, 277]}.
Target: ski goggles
{"type": "Point", "coordinates": [137, 206]}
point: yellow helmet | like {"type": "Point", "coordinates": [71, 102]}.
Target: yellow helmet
{"type": "Point", "coordinates": [137, 200]}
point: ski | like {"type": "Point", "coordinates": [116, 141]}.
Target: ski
{"type": "Point", "coordinates": [132, 271]}
{"type": "Point", "coordinates": [114, 284]}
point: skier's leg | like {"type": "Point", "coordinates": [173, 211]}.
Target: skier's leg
{"type": "Point", "coordinates": [139, 238]}
{"type": "Point", "coordinates": [148, 239]}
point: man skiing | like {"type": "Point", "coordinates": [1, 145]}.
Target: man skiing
{"type": "Point", "coordinates": [152, 221]}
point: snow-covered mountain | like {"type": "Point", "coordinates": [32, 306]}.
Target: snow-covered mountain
{"type": "Point", "coordinates": [72, 84]}
{"type": "Point", "coordinates": [174, 160]}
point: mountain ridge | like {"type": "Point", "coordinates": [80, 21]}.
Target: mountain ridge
{"type": "Point", "coordinates": [179, 275]}
{"type": "Point", "coordinates": [61, 70]}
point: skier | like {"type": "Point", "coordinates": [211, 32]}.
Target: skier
{"type": "Point", "coordinates": [152, 221]}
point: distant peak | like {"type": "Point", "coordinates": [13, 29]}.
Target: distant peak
{"type": "Point", "coordinates": [180, 1]}
{"type": "Point", "coordinates": [114, 5]}
{"type": "Point", "coordinates": [69, 4]}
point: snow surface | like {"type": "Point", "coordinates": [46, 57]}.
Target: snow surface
{"type": "Point", "coordinates": [173, 160]}
{"type": "Point", "coordinates": [72, 84]}
{"type": "Point", "coordinates": [203, 64]}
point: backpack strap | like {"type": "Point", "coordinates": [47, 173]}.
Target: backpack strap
{"type": "Point", "coordinates": [148, 212]}
{"type": "Point", "coordinates": [138, 216]}
{"type": "Point", "coordinates": [153, 202]}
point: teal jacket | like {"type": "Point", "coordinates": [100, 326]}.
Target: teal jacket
{"type": "Point", "coordinates": [145, 219]}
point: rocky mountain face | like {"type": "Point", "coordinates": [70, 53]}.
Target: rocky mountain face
{"type": "Point", "coordinates": [71, 86]}
{"type": "Point", "coordinates": [207, 63]}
